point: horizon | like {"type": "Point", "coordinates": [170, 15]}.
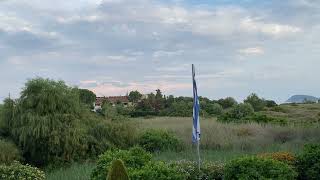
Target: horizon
{"type": "Point", "coordinates": [112, 47]}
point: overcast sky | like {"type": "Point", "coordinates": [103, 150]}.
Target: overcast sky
{"type": "Point", "coordinates": [269, 47]}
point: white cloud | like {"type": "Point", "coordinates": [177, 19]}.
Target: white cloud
{"type": "Point", "coordinates": [252, 51]}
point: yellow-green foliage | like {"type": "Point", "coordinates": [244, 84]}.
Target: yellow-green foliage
{"type": "Point", "coordinates": [285, 157]}
{"type": "Point", "coordinates": [8, 152]}
{"type": "Point", "coordinates": [17, 171]}
{"type": "Point", "coordinates": [117, 171]}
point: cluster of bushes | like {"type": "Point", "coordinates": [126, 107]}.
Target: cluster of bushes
{"type": "Point", "coordinates": [159, 140]}
{"type": "Point", "coordinates": [18, 171]}
{"type": "Point", "coordinates": [279, 165]}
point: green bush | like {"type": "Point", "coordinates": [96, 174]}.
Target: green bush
{"type": "Point", "coordinates": [159, 140]}
{"type": "Point", "coordinates": [237, 113]}
{"type": "Point", "coordinates": [17, 171]}
{"type": "Point", "coordinates": [258, 168]}
{"type": "Point", "coordinates": [135, 157]}
{"type": "Point", "coordinates": [308, 162]}
{"type": "Point", "coordinates": [207, 170]}
{"type": "Point", "coordinates": [117, 171]}
{"type": "Point", "coordinates": [157, 170]}
{"type": "Point", "coordinates": [257, 103]}
{"type": "Point", "coordinates": [8, 152]}
{"type": "Point", "coordinates": [263, 118]}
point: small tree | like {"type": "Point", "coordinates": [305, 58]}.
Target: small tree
{"type": "Point", "coordinates": [227, 102]}
{"type": "Point", "coordinates": [87, 97]}
{"type": "Point", "coordinates": [134, 96]}
{"type": "Point", "coordinates": [117, 171]}
{"type": "Point", "coordinates": [257, 103]}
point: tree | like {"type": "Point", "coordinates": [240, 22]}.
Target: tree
{"type": "Point", "coordinates": [270, 103]}
{"type": "Point", "coordinates": [159, 101]}
{"type": "Point", "coordinates": [238, 112]}
{"type": "Point", "coordinates": [227, 102]}
{"type": "Point", "coordinates": [257, 103]}
{"type": "Point", "coordinates": [87, 97]}
{"type": "Point", "coordinates": [117, 171]}
{"type": "Point", "coordinates": [46, 122]}
{"type": "Point", "coordinates": [6, 116]}
{"type": "Point", "coordinates": [134, 96]}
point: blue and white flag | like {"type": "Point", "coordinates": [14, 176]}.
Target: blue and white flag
{"type": "Point", "coordinates": [196, 110]}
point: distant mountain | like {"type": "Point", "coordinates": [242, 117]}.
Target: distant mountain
{"type": "Point", "coordinates": [301, 99]}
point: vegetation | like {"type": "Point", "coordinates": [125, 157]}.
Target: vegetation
{"type": "Point", "coordinates": [159, 140]}
{"type": "Point", "coordinates": [308, 162]}
{"type": "Point", "coordinates": [117, 171]}
{"type": "Point", "coordinates": [134, 158]}
{"type": "Point", "coordinates": [18, 171]}
{"type": "Point", "coordinates": [9, 152]}
{"type": "Point", "coordinates": [258, 168]}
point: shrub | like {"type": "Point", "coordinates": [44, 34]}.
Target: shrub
{"type": "Point", "coordinates": [227, 102]}
{"type": "Point", "coordinates": [117, 171]}
{"type": "Point", "coordinates": [9, 152]}
{"type": "Point", "coordinates": [285, 157]}
{"type": "Point", "coordinates": [258, 168]}
{"type": "Point", "coordinates": [308, 163]}
{"type": "Point", "coordinates": [257, 103]}
{"type": "Point", "coordinates": [207, 170]}
{"type": "Point", "coordinates": [279, 109]}
{"type": "Point", "coordinates": [157, 170]}
{"type": "Point", "coordinates": [135, 157]}
{"type": "Point", "coordinates": [236, 113]}
{"type": "Point", "coordinates": [17, 171]}
{"type": "Point", "coordinates": [263, 118]}
{"type": "Point", "coordinates": [159, 140]}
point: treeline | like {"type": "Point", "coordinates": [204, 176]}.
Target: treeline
{"type": "Point", "coordinates": [157, 104]}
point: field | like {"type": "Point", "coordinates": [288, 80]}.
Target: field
{"type": "Point", "coordinates": [221, 142]}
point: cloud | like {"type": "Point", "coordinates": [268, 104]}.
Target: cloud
{"type": "Point", "coordinates": [252, 51]}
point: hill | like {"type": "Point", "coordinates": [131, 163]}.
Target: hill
{"type": "Point", "coordinates": [301, 99]}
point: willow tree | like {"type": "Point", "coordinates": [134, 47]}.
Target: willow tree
{"type": "Point", "coordinates": [46, 123]}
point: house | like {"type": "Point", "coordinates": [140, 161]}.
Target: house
{"type": "Point", "coordinates": [113, 100]}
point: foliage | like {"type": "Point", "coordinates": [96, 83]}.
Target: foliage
{"type": "Point", "coordinates": [308, 162]}
{"type": "Point", "coordinates": [134, 96]}
{"type": "Point", "coordinates": [46, 122]}
{"type": "Point", "coordinates": [157, 170]}
{"type": "Point", "coordinates": [257, 103]}
{"type": "Point", "coordinates": [17, 171]}
{"type": "Point", "coordinates": [236, 113]}
{"type": "Point", "coordinates": [133, 158]}
{"type": "Point", "coordinates": [270, 103]}
{"type": "Point", "coordinates": [263, 118]}
{"type": "Point", "coordinates": [227, 102]}
{"type": "Point", "coordinates": [258, 168]}
{"type": "Point", "coordinates": [159, 140]}
{"type": "Point", "coordinates": [207, 170]}
{"type": "Point", "coordinates": [6, 117]}
{"type": "Point", "coordinates": [87, 97]}
{"type": "Point", "coordinates": [109, 111]}
{"type": "Point", "coordinates": [285, 157]}
{"type": "Point", "coordinates": [9, 152]}
{"type": "Point", "coordinates": [117, 171]}
{"type": "Point", "coordinates": [211, 108]}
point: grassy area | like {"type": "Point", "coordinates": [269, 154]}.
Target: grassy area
{"type": "Point", "coordinates": [251, 137]}
{"type": "Point", "coordinates": [74, 172]}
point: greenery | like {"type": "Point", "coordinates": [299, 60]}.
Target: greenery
{"type": "Point", "coordinates": [207, 171]}
{"type": "Point", "coordinates": [258, 168]}
{"type": "Point", "coordinates": [285, 157]}
{"type": "Point", "coordinates": [75, 171]}
{"type": "Point", "coordinates": [87, 97]}
{"type": "Point", "coordinates": [308, 162]}
{"type": "Point", "coordinates": [133, 158]}
{"type": "Point", "coordinates": [157, 170]}
{"type": "Point", "coordinates": [117, 171]}
{"type": "Point", "coordinates": [17, 171]}
{"type": "Point", "coordinates": [257, 103]}
{"type": "Point", "coordinates": [9, 152]}
{"type": "Point", "coordinates": [237, 113]}
{"type": "Point", "coordinates": [159, 140]}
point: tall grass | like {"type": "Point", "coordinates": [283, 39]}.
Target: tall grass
{"type": "Point", "coordinates": [74, 172]}
{"type": "Point", "coordinates": [251, 137]}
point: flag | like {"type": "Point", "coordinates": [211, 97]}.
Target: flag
{"type": "Point", "coordinates": [196, 110]}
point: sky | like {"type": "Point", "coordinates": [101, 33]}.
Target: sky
{"type": "Point", "coordinates": [111, 47]}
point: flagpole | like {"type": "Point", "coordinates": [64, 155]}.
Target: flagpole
{"type": "Point", "coordinates": [196, 115]}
